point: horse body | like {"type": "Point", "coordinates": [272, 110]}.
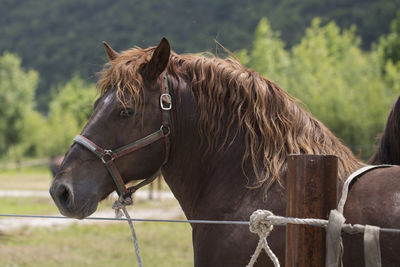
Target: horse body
{"type": "Point", "coordinates": [231, 131]}
{"type": "Point", "coordinates": [374, 200]}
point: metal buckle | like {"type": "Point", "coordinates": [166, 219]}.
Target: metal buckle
{"type": "Point", "coordinates": [169, 100]}
{"type": "Point", "coordinates": [108, 153]}
{"type": "Point", "coordinates": [165, 127]}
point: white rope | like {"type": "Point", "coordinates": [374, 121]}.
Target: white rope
{"type": "Point", "coordinates": [135, 242]}
{"type": "Point", "coordinates": [280, 220]}
{"type": "Point", "coordinates": [349, 228]}
{"type": "Point", "coordinates": [372, 251]}
{"type": "Point", "coordinates": [261, 225]}
{"type": "Point", "coordinates": [119, 205]}
{"type": "Point", "coordinates": [334, 244]}
{"type": "Point", "coordinates": [262, 222]}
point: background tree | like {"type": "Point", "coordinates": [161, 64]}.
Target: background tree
{"type": "Point", "coordinates": [338, 82]}
{"type": "Point", "coordinates": [66, 34]}
{"type": "Point", "coordinates": [17, 89]}
{"type": "Point", "coordinates": [75, 97]}
{"type": "Point", "coordinates": [389, 45]}
{"type": "Point", "coordinates": [268, 55]}
{"type": "Point", "coordinates": [70, 109]}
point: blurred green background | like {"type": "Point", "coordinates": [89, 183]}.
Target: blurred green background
{"type": "Point", "coordinates": [340, 58]}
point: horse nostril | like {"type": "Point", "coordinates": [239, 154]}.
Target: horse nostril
{"type": "Point", "coordinates": [64, 195]}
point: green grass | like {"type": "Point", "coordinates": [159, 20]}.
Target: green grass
{"type": "Point", "coordinates": [27, 205]}
{"type": "Point", "coordinates": [161, 244]}
{"type": "Point", "coordinates": [46, 206]}
{"type": "Point", "coordinates": [40, 169]}
{"type": "Point", "coordinates": [32, 178]}
{"type": "Point", "coordinates": [40, 178]}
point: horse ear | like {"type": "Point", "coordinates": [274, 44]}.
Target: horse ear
{"type": "Point", "coordinates": [111, 53]}
{"type": "Point", "coordinates": [158, 62]}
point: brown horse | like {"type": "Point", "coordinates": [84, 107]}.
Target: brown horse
{"type": "Point", "coordinates": [388, 151]}
{"type": "Point", "coordinates": [229, 134]}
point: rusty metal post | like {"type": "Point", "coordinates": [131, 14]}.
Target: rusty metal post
{"type": "Point", "coordinates": [311, 186]}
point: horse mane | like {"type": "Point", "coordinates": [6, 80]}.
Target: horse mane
{"type": "Point", "coordinates": [273, 124]}
{"type": "Point", "coordinates": [388, 151]}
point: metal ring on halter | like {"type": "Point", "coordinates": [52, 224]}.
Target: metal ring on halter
{"type": "Point", "coordinates": [165, 127]}
{"type": "Point", "coordinates": [169, 100]}
{"type": "Point", "coordinates": [108, 153]}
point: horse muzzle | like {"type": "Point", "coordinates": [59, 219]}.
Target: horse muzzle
{"type": "Point", "coordinates": [68, 204]}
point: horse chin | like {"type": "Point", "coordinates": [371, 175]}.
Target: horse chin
{"type": "Point", "coordinates": [81, 211]}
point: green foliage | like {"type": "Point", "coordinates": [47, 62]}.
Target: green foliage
{"type": "Point", "coordinates": [62, 129]}
{"type": "Point", "coordinates": [338, 83]}
{"type": "Point", "coordinates": [34, 139]}
{"type": "Point", "coordinates": [60, 38]}
{"type": "Point", "coordinates": [17, 88]}
{"type": "Point", "coordinates": [268, 54]}
{"type": "Point", "coordinates": [349, 89]}
{"type": "Point", "coordinates": [69, 111]}
{"type": "Point", "coordinates": [389, 46]}
{"type": "Point", "coordinates": [24, 132]}
{"type": "Point", "coordinates": [75, 97]}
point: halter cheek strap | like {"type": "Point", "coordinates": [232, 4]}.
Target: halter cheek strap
{"type": "Point", "coordinates": [108, 156]}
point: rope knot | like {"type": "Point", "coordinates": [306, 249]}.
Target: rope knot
{"type": "Point", "coordinates": [120, 204]}
{"type": "Point", "coordinates": [260, 223]}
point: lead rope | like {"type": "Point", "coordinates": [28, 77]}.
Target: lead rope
{"type": "Point", "coordinates": [120, 204]}
{"type": "Point", "coordinates": [124, 200]}
{"type": "Point", "coordinates": [260, 224]}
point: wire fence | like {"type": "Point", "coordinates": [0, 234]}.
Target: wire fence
{"type": "Point", "coordinates": [276, 220]}
{"type": "Point", "coordinates": [126, 219]}
{"type": "Point", "coordinates": [261, 223]}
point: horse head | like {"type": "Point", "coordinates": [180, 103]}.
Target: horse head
{"type": "Point", "coordinates": [128, 117]}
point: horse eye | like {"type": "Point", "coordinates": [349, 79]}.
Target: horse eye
{"type": "Point", "coordinates": [125, 113]}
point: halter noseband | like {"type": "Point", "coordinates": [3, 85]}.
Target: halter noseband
{"type": "Point", "coordinates": [107, 156]}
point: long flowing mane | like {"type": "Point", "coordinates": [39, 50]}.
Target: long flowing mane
{"type": "Point", "coordinates": [273, 123]}
{"type": "Point", "coordinates": [388, 150]}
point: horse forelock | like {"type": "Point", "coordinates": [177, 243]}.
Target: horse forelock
{"type": "Point", "coordinates": [273, 123]}
{"type": "Point", "coordinates": [123, 75]}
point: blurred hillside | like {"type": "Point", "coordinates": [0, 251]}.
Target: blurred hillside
{"type": "Point", "coordinates": [63, 38]}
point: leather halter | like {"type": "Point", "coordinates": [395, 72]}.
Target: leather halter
{"type": "Point", "coordinates": [107, 156]}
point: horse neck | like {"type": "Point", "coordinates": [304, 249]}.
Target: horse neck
{"type": "Point", "coordinates": [202, 181]}
{"type": "Point", "coordinates": [197, 176]}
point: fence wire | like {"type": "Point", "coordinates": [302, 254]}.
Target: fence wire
{"type": "Point", "coordinates": [386, 230]}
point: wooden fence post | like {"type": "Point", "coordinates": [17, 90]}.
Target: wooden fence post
{"type": "Point", "coordinates": [311, 186]}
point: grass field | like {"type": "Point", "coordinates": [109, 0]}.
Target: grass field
{"type": "Point", "coordinates": [106, 244]}
{"type": "Point", "coordinates": [38, 178]}
{"type": "Point", "coordinates": [42, 205]}
{"type": "Point", "coordinates": [27, 205]}
{"type": "Point", "coordinates": [98, 245]}
{"type": "Point", "coordinates": [32, 178]}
